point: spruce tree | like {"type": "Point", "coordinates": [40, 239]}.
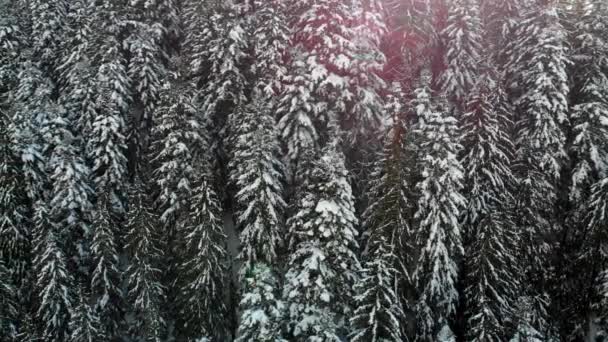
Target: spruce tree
{"type": "Point", "coordinates": [379, 314]}
{"type": "Point", "coordinates": [69, 197]}
{"type": "Point", "coordinates": [11, 45]}
{"type": "Point", "coordinates": [15, 235]}
{"type": "Point", "coordinates": [317, 87]}
{"type": "Point", "coordinates": [463, 44]}
{"type": "Point", "coordinates": [48, 27]}
{"type": "Point", "coordinates": [84, 324]}
{"type": "Point", "coordinates": [54, 281]}
{"type": "Point", "coordinates": [106, 144]}
{"type": "Point", "coordinates": [175, 138]}
{"type": "Point", "coordinates": [438, 232]}
{"type": "Point", "coordinates": [538, 86]}
{"type": "Point", "coordinates": [323, 266]}
{"type": "Point", "coordinates": [492, 272]}
{"type": "Point", "coordinates": [262, 311]}
{"type": "Point", "coordinates": [388, 254]}
{"type": "Point", "coordinates": [257, 173]}
{"type": "Point", "coordinates": [588, 152]}
{"type": "Point", "coordinates": [203, 271]}
{"type": "Point", "coordinates": [8, 303]}
{"type": "Point", "coordinates": [145, 70]}
{"type": "Point", "coordinates": [145, 292]}
{"type": "Point", "coordinates": [106, 280]}
{"type": "Point", "coordinates": [364, 112]}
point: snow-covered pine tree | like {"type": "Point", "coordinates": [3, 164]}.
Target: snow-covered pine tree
{"type": "Point", "coordinates": [145, 292]}
{"type": "Point", "coordinates": [269, 42]}
{"type": "Point", "coordinates": [49, 22]}
{"type": "Point", "coordinates": [163, 16]}
{"type": "Point", "coordinates": [588, 153]}
{"type": "Point", "coordinates": [364, 114]}
{"type": "Point", "coordinates": [598, 219]}
{"type": "Point", "coordinates": [262, 311]}
{"type": "Point", "coordinates": [176, 145]}
{"type": "Point", "coordinates": [8, 304]}
{"type": "Point", "coordinates": [258, 175]}
{"type": "Point", "coordinates": [146, 70]}
{"type": "Point", "coordinates": [225, 56]}
{"type": "Point", "coordinates": [175, 139]}
{"type": "Point", "coordinates": [106, 144]}
{"type": "Point", "coordinates": [437, 230]}
{"type": "Point", "coordinates": [69, 196]}
{"type": "Point", "coordinates": [11, 43]}
{"type": "Point", "coordinates": [539, 89]}
{"type": "Point", "coordinates": [462, 40]}
{"type": "Point", "coordinates": [203, 271]}
{"type": "Point", "coordinates": [589, 113]}
{"type": "Point", "coordinates": [84, 323]}
{"type": "Point", "coordinates": [317, 85]}
{"type": "Point", "coordinates": [106, 283]}
{"type": "Point", "coordinates": [77, 88]}
{"type": "Point", "coordinates": [379, 314]}
{"type": "Point", "coordinates": [387, 269]}
{"type": "Point", "coordinates": [491, 249]}
{"type": "Point", "coordinates": [323, 266]}
{"type": "Point", "coordinates": [54, 281]}
{"type": "Point", "coordinates": [15, 235]}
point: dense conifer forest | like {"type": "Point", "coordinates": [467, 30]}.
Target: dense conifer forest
{"type": "Point", "coordinates": [303, 170]}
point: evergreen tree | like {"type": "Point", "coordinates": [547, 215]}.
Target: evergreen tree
{"type": "Point", "coordinates": [76, 73]}
{"type": "Point", "coordinates": [262, 310]}
{"type": "Point", "coordinates": [145, 292]}
{"type": "Point", "coordinates": [257, 173]}
{"type": "Point", "coordinates": [538, 85]}
{"type": "Point", "coordinates": [175, 138]}
{"type": "Point", "coordinates": [145, 70]}
{"type": "Point", "coordinates": [379, 314]}
{"type": "Point", "coordinates": [492, 273]}
{"type": "Point", "coordinates": [106, 291]}
{"type": "Point", "coordinates": [588, 152]}
{"type": "Point", "coordinates": [323, 266]}
{"type": "Point", "coordinates": [15, 235]}
{"type": "Point", "coordinates": [269, 44]}
{"type": "Point", "coordinates": [591, 94]}
{"type": "Point", "coordinates": [107, 145]}
{"type": "Point", "coordinates": [69, 196]}
{"type": "Point", "coordinates": [365, 110]}
{"type": "Point", "coordinates": [438, 232]}
{"type": "Point", "coordinates": [8, 303]}
{"type": "Point", "coordinates": [84, 324]}
{"type": "Point", "coordinates": [225, 56]}
{"type": "Point", "coordinates": [463, 45]}
{"type": "Point", "coordinates": [203, 271]}
{"type": "Point", "coordinates": [54, 282]}
{"type": "Point", "coordinates": [48, 27]}
{"type": "Point", "coordinates": [388, 266]}
{"type": "Point", "coordinates": [176, 145]}
{"type": "Point", "coordinates": [317, 87]}
{"type": "Point", "coordinates": [11, 45]}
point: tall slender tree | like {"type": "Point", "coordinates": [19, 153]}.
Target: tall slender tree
{"type": "Point", "coordinates": [323, 265]}
{"type": "Point", "coordinates": [462, 37]}
{"type": "Point", "coordinates": [538, 86]}
{"type": "Point", "coordinates": [145, 292]}
{"type": "Point", "coordinates": [106, 296]}
{"type": "Point", "coordinates": [54, 281]}
{"type": "Point", "coordinates": [438, 232]}
{"type": "Point", "coordinates": [492, 272]}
